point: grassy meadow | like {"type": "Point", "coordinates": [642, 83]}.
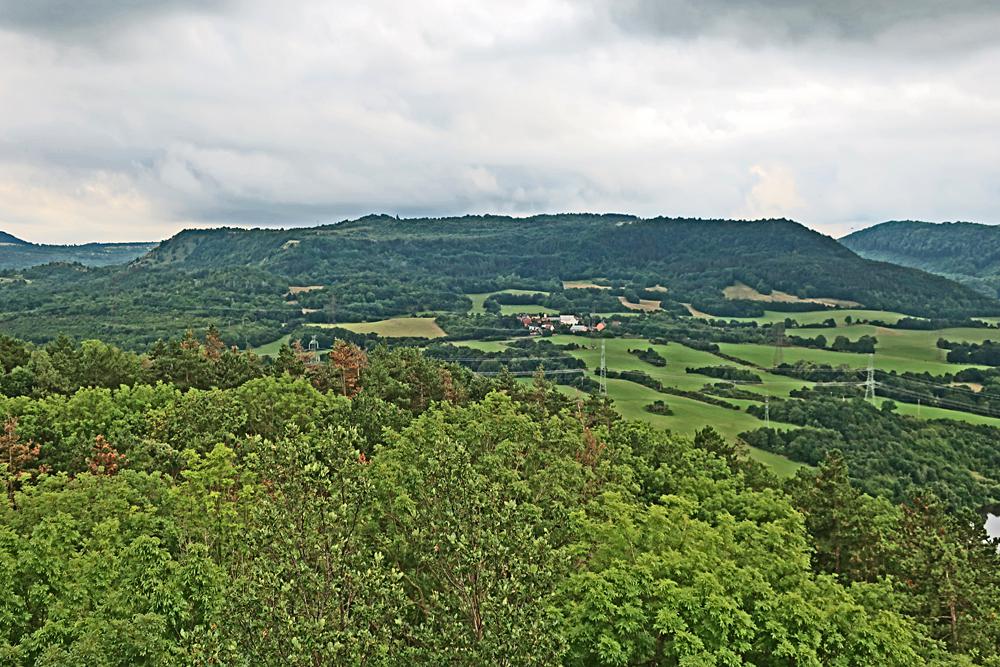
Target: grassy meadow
{"type": "Point", "coordinates": [271, 349]}
{"type": "Point", "coordinates": [479, 298]}
{"type": "Point", "coordinates": [690, 416]}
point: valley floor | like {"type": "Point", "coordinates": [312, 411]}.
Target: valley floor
{"type": "Point", "coordinates": [897, 350]}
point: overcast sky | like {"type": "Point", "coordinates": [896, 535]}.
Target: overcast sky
{"type": "Point", "coordinates": [132, 120]}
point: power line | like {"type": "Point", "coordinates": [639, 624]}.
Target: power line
{"type": "Point", "coordinates": [938, 385]}
{"type": "Point", "coordinates": [945, 403]}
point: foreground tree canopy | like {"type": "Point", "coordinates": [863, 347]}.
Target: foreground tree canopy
{"type": "Point", "coordinates": [388, 509]}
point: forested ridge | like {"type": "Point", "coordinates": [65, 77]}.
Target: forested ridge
{"type": "Point", "coordinates": [378, 267]}
{"type": "Point", "coordinates": [195, 504]}
{"type": "Point", "coordinates": [18, 254]}
{"type": "Point", "coordinates": [965, 251]}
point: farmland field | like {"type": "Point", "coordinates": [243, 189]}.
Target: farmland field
{"type": "Point", "coordinates": [897, 350]}
{"type": "Point", "coordinates": [930, 412]}
{"type": "Point", "coordinates": [479, 298]}
{"type": "Point", "coordinates": [483, 345]}
{"type": "Point", "coordinates": [679, 359]}
{"type": "Point", "coordinates": [816, 316]}
{"type": "Point", "coordinates": [512, 309]}
{"type": "Point", "coordinates": [690, 416]}
{"type": "Point", "coordinates": [647, 305]}
{"type": "Point", "coordinates": [583, 284]}
{"type": "Point", "coordinates": [741, 291]}
{"type": "Point", "coordinates": [396, 327]}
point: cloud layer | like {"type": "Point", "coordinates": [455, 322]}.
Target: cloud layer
{"type": "Point", "coordinates": [131, 123]}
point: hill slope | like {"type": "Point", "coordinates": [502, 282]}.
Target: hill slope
{"type": "Point", "coordinates": [380, 266]}
{"type": "Point", "coordinates": [10, 239]}
{"type": "Point", "coordinates": [18, 254]}
{"type": "Point", "coordinates": [964, 251]}
{"type": "Point", "coordinates": [697, 259]}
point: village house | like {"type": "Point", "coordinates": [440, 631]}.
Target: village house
{"type": "Point", "coordinates": [540, 324]}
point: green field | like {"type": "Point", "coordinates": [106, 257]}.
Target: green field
{"type": "Point", "coordinates": [396, 327]}
{"type": "Point", "coordinates": [679, 358]}
{"type": "Point", "coordinates": [927, 412]}
{"type": "Point", "coordinates": [898, 350]}
{"type": "Point", "coordinates": [689, 415]}
{"type": "Point", "coordinates": [272, 348]}
{"type": "Point", "coordinates": [478, 299]}
{"type": "Point", "coordinates": [483, 345]}
{"type": "Point", "coordinates": [514, 309]}
{"type": "Point", "coordinates": [910, 350]}
{"type": "Point", "coordinates": [816, 316]}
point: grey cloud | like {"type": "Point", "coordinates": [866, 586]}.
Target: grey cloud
{"type": "Point", "coordinates": [789, 19]}
{"type": "Point", "coordinates": [69, 18]}
{"type": "Point", "coordinates": [316, 111]}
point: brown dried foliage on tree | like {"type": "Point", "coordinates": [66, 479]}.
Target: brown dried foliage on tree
{"type": "Point", "coordinates": [17, 456]}
{"type": "Point", "coordinates": [190, 341]}
{"type": "Point", "coordinates": [350, 360]}
{"type": "Point", "coordinates": [214, 345]}
{"type": "Point", "coordinates": [104, 458]}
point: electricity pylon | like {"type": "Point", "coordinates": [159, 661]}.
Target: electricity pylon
{"type": "Point", "coordinates": [870, 380]}
{"type": "Point", "coordinates": [779, 345]}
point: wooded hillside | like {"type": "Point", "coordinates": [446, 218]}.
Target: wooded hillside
{"type": "Point", "coordinates": [379, 266]}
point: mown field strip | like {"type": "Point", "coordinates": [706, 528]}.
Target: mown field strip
{"type": "Point", "coordinates": [395, 327]}
{"type": "Point", "coordinates": [479, 298]}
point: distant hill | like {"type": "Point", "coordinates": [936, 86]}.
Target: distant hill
{"type": "Point", "coordinates": [10, 239]}
{"type": "Point", "coordinates": [697, 259]}
{"type": "Point", "coordinates": [18, 254]}
{"type": "Point", "coordinates": [964, 251]}
{"type": "Point", "coordinates": [379, 266]}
